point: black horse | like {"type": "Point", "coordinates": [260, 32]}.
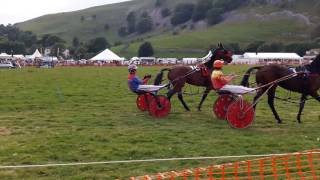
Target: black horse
{"type": "Point", "coordinates": [180, 75]}
{"type": "Point", "coordinates": [307, 82]}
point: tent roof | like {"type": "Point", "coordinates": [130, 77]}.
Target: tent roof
{"type": "Point", "coordinates": [36, 54]}
{"type": "Point", "coordinates": [107, 55]}
{"type": "Point", "coordinates": [21, 56]}
{"type": "Point", "coordinates": [272, 55]}
{"type": "Point", "coordinates": [4, 55]}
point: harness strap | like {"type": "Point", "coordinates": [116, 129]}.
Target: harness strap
{"type": "Point", "coordinates": [313, 75]}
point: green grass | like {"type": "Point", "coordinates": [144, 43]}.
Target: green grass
{"type": "Point", "coordinates": [87, 114]}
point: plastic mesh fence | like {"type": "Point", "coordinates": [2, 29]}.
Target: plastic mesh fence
{"type": "Point", "coordinates": [305, 165]}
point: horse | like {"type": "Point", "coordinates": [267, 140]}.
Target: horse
{"type": "Point", "coordinates": [306, 82]}
{"type": "Point", "coordinates": [180, 75]}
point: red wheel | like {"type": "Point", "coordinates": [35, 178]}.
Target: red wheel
{"type": "Point", "coordinates": [163, 110]}
{"type": "Point", "coordinates": [240, 114]}
{"type": "Point", "coordinates": [221, 106]}
{"type": "Point", "coordinates": [143, 101]}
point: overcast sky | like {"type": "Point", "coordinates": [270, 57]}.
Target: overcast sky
{"type": "Point", "coordinates": [13, 11]}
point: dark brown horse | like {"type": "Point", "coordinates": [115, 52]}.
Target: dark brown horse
{"type": "Point", "coordinates": [307, 82]}
{"type": "Point", "coordinates": [180, 75]}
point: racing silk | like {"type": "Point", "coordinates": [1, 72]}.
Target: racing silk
{"type": "Point", "coordinates": [134, 82]}
{"type": "Point", "coordinates": [218, 79]}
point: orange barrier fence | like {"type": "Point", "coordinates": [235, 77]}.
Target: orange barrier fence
{"type": "Point", "coordinates": [305, 165]}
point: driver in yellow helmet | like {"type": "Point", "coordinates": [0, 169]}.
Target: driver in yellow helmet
{"type": "Point", "coordinates": [221, 81]}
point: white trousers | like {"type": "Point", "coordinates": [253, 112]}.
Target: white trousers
{"type": "Point", "coordinates": [238, 89]}
{"type": "Point", "coordinates": [149, 88]}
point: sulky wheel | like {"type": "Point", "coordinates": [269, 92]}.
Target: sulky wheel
{"type": "Point", "coordinates": [240, 114]}
{"type": "Point", "coordinates": [159, 107]}
{"type": "Point", "coordinates": [221, 106]}
{"type": "Point", "coordinates": [143, 101]}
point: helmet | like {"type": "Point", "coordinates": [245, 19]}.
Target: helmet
{"type": "Point", "coordinates": [218, 64]}
{"type": "Point", "coordinates": [132, 67]}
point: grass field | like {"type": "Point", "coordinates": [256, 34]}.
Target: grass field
{"type": "Point", "coordinates": [87, 114]}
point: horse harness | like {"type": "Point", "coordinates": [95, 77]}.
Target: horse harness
{"type": "Point", "coordinates": [305, 74]}
{"type": "Point", "coordinates": [202, 68]}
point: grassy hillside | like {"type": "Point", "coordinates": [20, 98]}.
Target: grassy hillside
{"type": "Point", "coordinates": [87, 114]}
{"type": "Point", "coordinates": [242, 33]}
{"type": "Point", "coordinates": [67, 25]}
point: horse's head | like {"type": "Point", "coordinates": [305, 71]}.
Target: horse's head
{"type": "Point", "coordinates": [315, 65]}
{"type": "Point", "coordinates": [220, 54]}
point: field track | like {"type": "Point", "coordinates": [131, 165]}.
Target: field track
{"type": "Point", "coordinates": [87, 114]}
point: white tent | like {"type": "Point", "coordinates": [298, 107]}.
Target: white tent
{"type": "Point", "coordinates": [107, 56]}
{"type": "Point", "coordinates": [19, 56]}
{"type": "Point", "coordinates": [4, 55]}
{"type": "Point", "coordinates": [35, 55]}
{"type": "Point", "coordinates": [273, 57]}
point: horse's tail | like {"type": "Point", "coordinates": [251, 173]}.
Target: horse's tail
{"type": "Point", "coordinates": [159, 77]}
{"type": "Point", "coordinates": [245, 79]}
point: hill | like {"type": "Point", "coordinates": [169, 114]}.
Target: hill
{"type": "Point", "coordinates": [284, 21]}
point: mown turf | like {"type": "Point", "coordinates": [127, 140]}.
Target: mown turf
{"type": "Point", "coordinates": [87, 114]}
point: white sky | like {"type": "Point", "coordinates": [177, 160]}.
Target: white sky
{"type": "Point", "coordinates": [13, 11]}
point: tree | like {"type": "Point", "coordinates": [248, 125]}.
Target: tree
{"type": "Point", "coordinates": [316, 32]}
{"type": "Point", "coordinates": [300, 48]}
{"type": "Point", "coordinates": [146, 50]}
{"type": "Point", "coordinates": [82, 18]}
{"type": "Point", "coordinates": [49, 40]}
{"type": "Point", "coordinates": [165, 12]}
{"type": "Point", "coordinates": [122, 31]}
{"type": "Point", "coordinates": [131, 21]}
{"type": "Point", "coordinates": [214, 16]}
{"type": "Point", "coordinates": [254, 46]}
{"type": "Point", "coordinates": [94, 17]}
{"type": "Point", "coordinates": [145, 24]}
{"type": "Point", "coordinates": [234, 47]}
{"type": "Point", "coordinates": [160, 3]}
{"type": "Point", "coordinates": [75, 42]}
{"type": "Point", "coordinates": [273, 47]}
{"type": "Point", "coordinates": [98, 44]}
{"type": "Point", "coordinates": [182, 13]}
{"type": "Point", "coordinates": [201, 9]}
{"type": "Point", "coordinates": [106, 27]}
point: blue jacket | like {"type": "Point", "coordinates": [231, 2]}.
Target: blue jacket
{"type": "Point", "coordinates": [134, 82]}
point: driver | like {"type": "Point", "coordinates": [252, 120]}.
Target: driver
{"type": "Point", "coordinates": [221, 81]}
{"type": "Point", "coordinates": [133, 80]}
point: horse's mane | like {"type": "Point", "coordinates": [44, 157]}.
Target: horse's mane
{"type": "Point", "coordinates": [209, 64]}
{"type": "Point", "coordinates": [314, 67]}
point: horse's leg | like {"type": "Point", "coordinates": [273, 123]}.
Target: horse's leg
{"type": "Point", "coordinates": [271, 96]}
{"type": "Point", "coordinates": [204, 96]}
{"type": "Point", "coordinates": [180, 96]}
{"type": "Point", "coordinates": [302, 102]}
{"type": "Point", "coordinates": [256, 98]}
{"type": "Point", "coordinates": [178, 88]}
{"type": "Point", "coordinates": [171, 93]}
